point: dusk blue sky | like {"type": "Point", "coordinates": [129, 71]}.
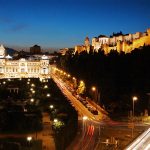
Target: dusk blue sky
{"type": "Point", "coordinates": [66, 23]}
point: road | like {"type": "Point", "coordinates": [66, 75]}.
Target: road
{"type": "Point", "coordinates": [98, 132]}
{"type": "Point", "coordinates": [82, 110]}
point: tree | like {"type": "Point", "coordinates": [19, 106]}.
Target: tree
{"type": "Point", "coordinates": [81, 88]}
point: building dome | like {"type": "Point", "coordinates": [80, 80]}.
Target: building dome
{"type": "Point", "coordinates": [22, 59]}
{"type": "Point", "coordinates": [8, 57]}
{"type": "Point", "coordinates": [44, 57]}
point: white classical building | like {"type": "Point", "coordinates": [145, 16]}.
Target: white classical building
{"type": "Point", "coordinates": [23, 68]}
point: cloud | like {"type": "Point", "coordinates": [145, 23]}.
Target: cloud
{"type": "Point", "coordinates": [6, 20]}
{"type": "Point", "coordinates": [18, 27]}
{"type": "Point", "coordinates": [10, 25]}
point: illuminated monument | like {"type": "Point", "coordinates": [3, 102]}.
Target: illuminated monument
{"type": "Point", "coordinates": [23, 68]}
{"type": "Point", "coordinates": [118, 41]}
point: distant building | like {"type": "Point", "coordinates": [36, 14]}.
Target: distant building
{"type": "Point", "coordinates": [35, 49]}
{"type": "Point", "coordinates": [23, 68]}
{"type": "Point", "coordinates": [63, 51]}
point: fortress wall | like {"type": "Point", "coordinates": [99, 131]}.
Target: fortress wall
{"type": "Point", "coordinates": [112, 40]}
{"type": "Point", "coordinates": [140, 42]}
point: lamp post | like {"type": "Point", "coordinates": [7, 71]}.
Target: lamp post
{"type": "Point", "coordinates": [134, 98]}
{"type": "Point", "coordinates": [97, 95]}
{"type": "Point", "coordinates": [84, 118]}
{"type": "Point", "coordinates": [29, 139]}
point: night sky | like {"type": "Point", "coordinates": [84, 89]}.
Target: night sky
{"type": "Point", "coordinates": [66, 23]}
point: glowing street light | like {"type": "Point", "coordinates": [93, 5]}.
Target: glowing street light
{"type": "Point", "coordinates": [93, 88]}
{"type": "Point", "coordinates": [55, 120]}
{"type": "Point", "coordinates": [51, 106]}
{"type": "Point", "coordinates": [33, 85]}
{"type": "Point", "coordinates": [45, 87]}
{"type": "Point", "coordinates": [85, 118]}
{"type": "Point", "coordinates": [48, 95]}
{"type": "Point", "coordinates": [81, 82]}
{"type": "Point", "coordinates": [32, 100]}
{"type": "Point", "coordinates": [29, 138]}
{"type": "Point", "coordinates": [33, 91]}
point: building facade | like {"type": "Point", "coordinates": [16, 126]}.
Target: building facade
{"type": "Point", "coordinates": [35, 49]}
{"type": "Point", "coordinates": [121, 42]}
{"type": "Point", "coordinates": [23, 68]}
{"type": "Point", "coordinates": [118, 41]}
{"type": "Point", "coordinates": [85, 47]}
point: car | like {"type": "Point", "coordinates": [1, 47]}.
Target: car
{"type": "Point", "coordinates": [94, 112]}
{"type": "Point", "coordinates": [84, 102]}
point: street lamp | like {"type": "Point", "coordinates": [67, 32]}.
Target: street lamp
{"type": "Point", "coordinates": [29, 139]}
{"type": "Point", "coordinates": [51, 106]}
{"type": "Point", "coordinates": [134, 98]}
{"type": "Point", "coordinates": [32, 100]}
{"type": "Point", "coordinates": [84, 118]}
{"type": "Point", "coordinates": [55, 120]}
{"type": "Point", "coordinates": [93, 88]}
{"type": "Point", "coordinates": [81, 82]}
{"type": "Point", "coordinates": [45, 87]}
{"type": "Point", "coordinates": [48, 95]}
{"type": "Point", "coordinates": [97, 94]}
{"type": "Point", "coordinates": [33, 91]}
{"type": "Point", "coordinates": [32, 85]}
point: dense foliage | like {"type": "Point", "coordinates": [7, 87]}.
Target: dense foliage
{"type": "Point", "coordinates": [21, 111]}
{"type": "Point", "coordinates": [118, 76]}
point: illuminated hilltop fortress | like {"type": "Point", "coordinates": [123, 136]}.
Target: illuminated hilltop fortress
{"type": "Point", "coordinates": [23, 68]}
{"type": "Point", "coordinates": [118, 41]}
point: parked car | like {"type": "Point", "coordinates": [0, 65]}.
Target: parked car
{"type": "Point", "coordinates": [95, 112]}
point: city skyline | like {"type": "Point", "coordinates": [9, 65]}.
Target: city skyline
{"type": "Point", "coordinates": [58, 24]}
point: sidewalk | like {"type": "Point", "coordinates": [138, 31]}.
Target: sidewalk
{"type": "Point", "coordinates": [46, 135]}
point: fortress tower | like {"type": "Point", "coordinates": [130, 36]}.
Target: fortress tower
{"type": "Point", "coordinates": [148, 31]}
{"type": "Point", "coordinates": [87, 42]}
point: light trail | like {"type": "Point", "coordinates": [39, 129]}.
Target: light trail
{"type": "Point", "coordinates": [138, 143]}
